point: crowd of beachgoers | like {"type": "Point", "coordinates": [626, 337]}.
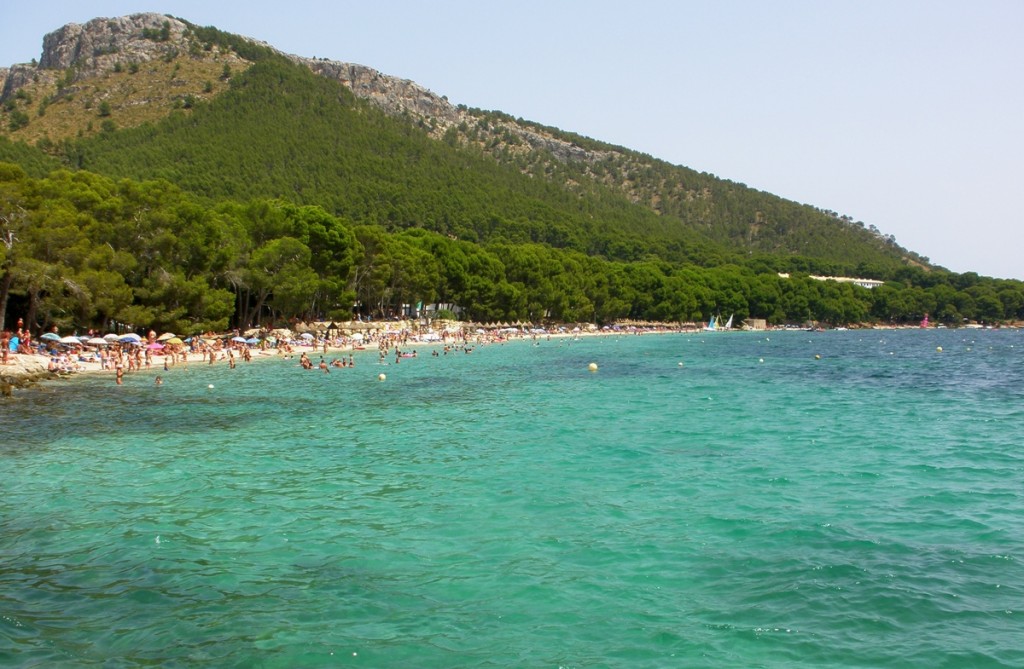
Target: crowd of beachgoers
{"type": "Point", "coordinates": [26, 358]}
{"type": "Point", "coordinates": [118, 354]}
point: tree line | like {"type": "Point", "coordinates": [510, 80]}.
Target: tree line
{"type": "Point", "coordinates": [81, 250]}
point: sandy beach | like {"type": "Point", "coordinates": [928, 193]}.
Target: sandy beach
{"type": "Point", "coordinates": [24, 370]}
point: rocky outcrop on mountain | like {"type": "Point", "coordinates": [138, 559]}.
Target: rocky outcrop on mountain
{"type": "Point", "coordinates": [401, 96]}
{"type": "Point", "coordinates": [91, 47]}
{"type": "Point", "coordinates": [18, 76]}
{"type": "Point", "coordinates": [394, 95]}
{"type": "Point", "coordinates": [84, 51]}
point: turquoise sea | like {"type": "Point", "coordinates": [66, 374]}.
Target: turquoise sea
{"type": "Point", "coordinates": [702, 500]}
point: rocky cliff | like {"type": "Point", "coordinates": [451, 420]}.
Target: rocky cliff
{"type": "Point", "coordinates": [87, 50]}
{"type": "Point", "coordinates": [95, 46]}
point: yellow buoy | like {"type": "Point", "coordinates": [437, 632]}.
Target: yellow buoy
{"type": "Point", "coordinates": [939, 349]}
{"type": "Point", "coordinates": [817, 357]}
{"type": "Point", "coordinates": [381, 376]}
{"type": "Point", "coordinates": [760, 359]}
{"type": "Point", "coordinates": [210, 386]}
{"type": "Point", "coordinates": [592, 366]}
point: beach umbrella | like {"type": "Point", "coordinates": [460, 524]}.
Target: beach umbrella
{"type": "Point", "coordinates": [70, 340]}
{"type": "Point", "coordinates": [50, 336]}
{"type": "Point", "coordinates": [97, 341]}
{"type": "Point", "coordinates": [131, 336]}
{"type": "Point", "coordinates": [155, 346]}
{"type": "Point", "coordinates": [240, 340]}
{"type": "Point", "coordinates": [252, 340]}
{"type": "Point", "coordinates": [358, 336]}
{"type": "Point", "coordinates": [165, 336]}
{"type": "Point", "coordinates": [110, 337]}
{"type": "Point", "coordinates": [174, 341]}
{"type": "Point", "coordinates": [306, 335]}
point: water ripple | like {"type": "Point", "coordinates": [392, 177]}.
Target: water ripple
{"type": "Point", "coordinates": [512, 509]}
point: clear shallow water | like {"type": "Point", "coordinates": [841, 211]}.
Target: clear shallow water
{"type": "Point", "coordinates": [509, 509]}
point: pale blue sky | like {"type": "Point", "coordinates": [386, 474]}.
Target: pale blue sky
{"type": "Point", "coordinates": [906, 115]}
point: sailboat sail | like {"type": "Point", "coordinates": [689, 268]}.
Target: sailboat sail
{"type": "Point", "coordinates": [714, 325]}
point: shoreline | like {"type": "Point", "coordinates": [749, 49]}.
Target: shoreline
{"type": "Point", "coordinates": [26, 371]}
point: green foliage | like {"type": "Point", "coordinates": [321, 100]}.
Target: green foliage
{"type": "Point", "coordinates": [67, 78]}
{"type": "Point", "coordinates": [162, 34]}
{"type": "Point", "coordinates": [281, 131]}
{"type": "Point", "coordinates": [90, 249]}
{"type": "Point", "coordinates": [210, 37]}
{"type": "Point", "coordinates": [34, 162]}
{"type": "Point", "coordinates": [17, 119]}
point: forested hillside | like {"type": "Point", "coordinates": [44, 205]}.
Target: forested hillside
{"type": "Point", "coordinates": [276, 192]}
{"type": "Point", "coordinates": [84, 250]}
{"type": "Point", "coordinates": [281, 131]}
{"type": "Point", "coordinates": [724, 211]}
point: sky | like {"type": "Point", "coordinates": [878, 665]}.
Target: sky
{"type": "Point", "coordinates": [903, 114]}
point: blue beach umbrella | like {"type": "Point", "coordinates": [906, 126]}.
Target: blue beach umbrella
{"type": "Point", "coordinates": [50, 336]}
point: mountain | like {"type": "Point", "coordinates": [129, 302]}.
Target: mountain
{"type": "Point", "coordinates": [163, 175]}
{"type": "Point", "coordinates": [95, 81]}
